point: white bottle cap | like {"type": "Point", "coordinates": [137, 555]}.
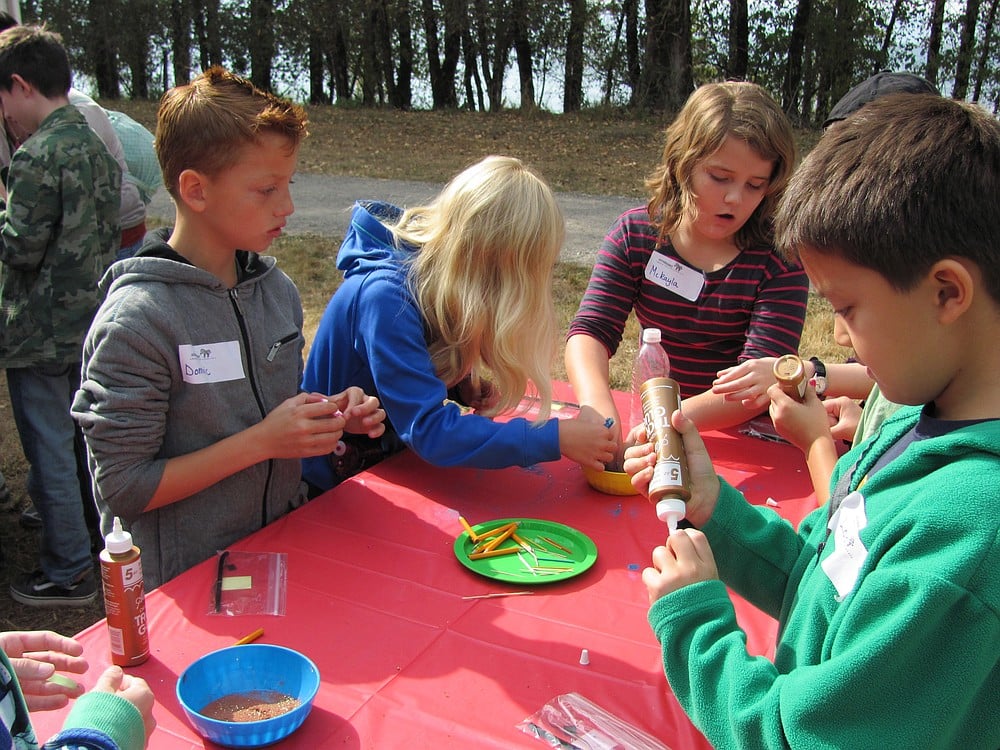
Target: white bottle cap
{"type": "Point", "coordinates": [119, 541]}
{"type": "Point", "coordinates": [670, 510]}
{"type": "Point", "coordinates": [651, 336]}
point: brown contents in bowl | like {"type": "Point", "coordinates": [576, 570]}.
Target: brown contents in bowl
{"type": "Point", "coordinates": [255, 705]}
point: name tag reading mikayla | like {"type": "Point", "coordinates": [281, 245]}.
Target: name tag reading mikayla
{"type": "Point", "coordinates": [675, 277]}
{"type": "Point", "coordinates": [211, 363]}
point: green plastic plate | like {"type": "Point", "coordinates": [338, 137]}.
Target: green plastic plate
{"type": "Point", "coordinates": [560, 552]}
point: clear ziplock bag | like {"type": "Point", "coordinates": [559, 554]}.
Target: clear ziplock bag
{"type": "Point", "coordinates": [249, 583]}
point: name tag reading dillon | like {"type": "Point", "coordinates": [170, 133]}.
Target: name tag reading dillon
{"type": "Point", "coordinates": [675, 277]}
{"type": "Point", "coordinates": [211, 363]}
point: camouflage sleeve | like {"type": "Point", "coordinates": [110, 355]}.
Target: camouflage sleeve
{"type": "Point", "coordinates": [33, 212]}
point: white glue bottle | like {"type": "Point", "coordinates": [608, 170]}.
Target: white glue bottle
{"type": "Point", "coordinates": [124, 598]}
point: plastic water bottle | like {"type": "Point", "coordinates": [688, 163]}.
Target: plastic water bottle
{"type": "Point", "coordinates": [651, 361]}
{"type": "Point", "coordinates": [124, 598]}
{"type": "Point", "coordinates": [655, 396]}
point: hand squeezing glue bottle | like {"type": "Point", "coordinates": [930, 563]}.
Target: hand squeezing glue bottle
{"type": "Point", "coordinates": [659, 396]}
{"type": "Point", "coordinates": [124, 598]}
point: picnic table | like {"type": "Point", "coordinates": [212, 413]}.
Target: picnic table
{"type": "Point", "coordinates": [411, 650]}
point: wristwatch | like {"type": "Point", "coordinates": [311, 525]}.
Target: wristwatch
{"type": "Point", "coordinates": [820, 375]}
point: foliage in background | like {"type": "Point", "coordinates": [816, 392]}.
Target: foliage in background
{"type": "Point", "coordinates": [562, 55]}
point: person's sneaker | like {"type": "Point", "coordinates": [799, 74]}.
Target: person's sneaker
{"type": "Point", "coordinates": [30, 518]}
{"type": "Point", "coordinates": [35, 590]}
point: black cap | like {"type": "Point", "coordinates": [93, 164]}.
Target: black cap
{"type": "Point", "coordinates": [878, 85]}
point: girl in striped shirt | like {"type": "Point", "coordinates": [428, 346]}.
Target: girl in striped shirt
{"type": "Point", "coordinates": [697, 261]}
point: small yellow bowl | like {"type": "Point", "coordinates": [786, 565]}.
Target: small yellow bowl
{"type": "Point", "coordinates": [609, 482]}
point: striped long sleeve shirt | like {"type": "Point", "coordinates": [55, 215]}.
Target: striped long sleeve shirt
{"type": "Point", "coordinates": [755, 306]}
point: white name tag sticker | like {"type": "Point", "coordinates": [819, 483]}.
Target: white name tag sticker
{"type": "Point", "coordinates": [843, 565]}
{"type": "Point", "coordinates": [675, 277]}
{"type": "Point", "coordinates": [211, 363]}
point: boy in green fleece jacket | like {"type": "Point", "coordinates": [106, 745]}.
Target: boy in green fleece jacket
{"type": "Point", "coordinates": [116, 715]}
{"type": "Point", "coordinates": [888, 599]}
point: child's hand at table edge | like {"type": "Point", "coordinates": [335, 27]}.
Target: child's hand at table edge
{"type": "Point", "coordinates": [586, 442]}
{"type": "Point", "coordinates": [640, 458]}
{"type": "Point", "coordinates": [362, 413]}
{"type": "Point", "coordinates": [685, 558]}
{"type": "Point", "coordinates": [133, 689]}
{"type": "Point", "coordinates": [36, 656]}
{"type": "Point", "coordinates": [479, 395]}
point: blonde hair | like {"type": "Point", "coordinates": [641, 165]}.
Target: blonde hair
{"type": "Point", "coordinates": [482, 278]}
{"type": "Point", "coordinates": [712, 113]}
{"type": "Point", "coordinates": [205, 124]}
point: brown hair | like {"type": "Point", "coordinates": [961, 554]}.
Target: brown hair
{"type": "Point", "coordinates": [712, 113]}
{"type": "Point", "coordinates": [907, 180]}
{"type": "Point", "coordinates": [204, 124]}
{"type": "Point", "coordinates": [38, 56]}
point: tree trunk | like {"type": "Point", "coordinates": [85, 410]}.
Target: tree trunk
{"type": "Point", "coordinates": [261, 43]}
{"type": "Point", "coordinates": [336, 55]}
{"type": "Point", "coordinates": [455, 21]}
{"type": "Point", "coordinates": [403, 98]}
{"type": "Point", "coordinates": [984, 52]}
{"type": "Point", "coordinates": [180, 23]}
{"type": "Point", "coordinates": [200, 32]}
{"type": "Point", "coordinates": [883, 59]}
{"type": "Point", "coordinates": [495, 36]}
{"type": "Point", "coordinates": [524, 53]}
{"type": "Point", "coordinates": [793, 67]}
{"type": "Point", "coordinates": [612, 67]}
{"type": "Point", "coordinates": [934, 42]}
{"type": "Point", "coordinates": [133, 48]}
{"type": "Point", "coordinates": [739, 39]}
{"type": "Point", "coordinates": [667, 78]}
{"type": "Point", "coordinates": [317, 79]}
{"type": "Point", "coordinates": [573, 77]}
{"type": "Point", "coordinates": [473, 96]}
{"type": "Point", "coordinates": [442, 71]}
{"type": "Point", "coordinates": [633, 65]}
{"type": "Point", "coordinates": [370, 73]}
{"type": "Point", "coordinates": [966, 45]}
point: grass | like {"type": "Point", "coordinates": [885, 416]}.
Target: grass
{"type": "Point", "coordinates": [599, 152]}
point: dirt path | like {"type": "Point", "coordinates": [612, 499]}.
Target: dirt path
{"type": "Point", "coordinates": [323, 205]}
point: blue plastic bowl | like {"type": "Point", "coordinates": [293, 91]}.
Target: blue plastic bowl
{"type": "Point", "coordinates": [245, 669]}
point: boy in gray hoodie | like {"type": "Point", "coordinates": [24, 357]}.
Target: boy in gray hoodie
{"type": "Point", "coordinates": [190, 400]}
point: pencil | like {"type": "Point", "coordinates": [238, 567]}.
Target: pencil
{"type": "Point", "coordinates": [250, 637]}
{"type": "Point", "coordinates": [503, 537]}
{"type": "Point", "coordinates": [465, 525]}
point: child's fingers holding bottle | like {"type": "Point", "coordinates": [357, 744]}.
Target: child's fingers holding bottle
{"type": "Point", "coordinates": [704, 483]}
{"type": "Point", "coordinates": [640, 457]}
{"type": "Point", "coordinates": [703, 477]}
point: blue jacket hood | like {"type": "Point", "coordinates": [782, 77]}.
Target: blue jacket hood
{"type": "Point", "coordinates": [369, 244]}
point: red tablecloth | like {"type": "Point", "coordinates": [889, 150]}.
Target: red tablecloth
{"type": "Point", "coordinates": [375, 599]}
